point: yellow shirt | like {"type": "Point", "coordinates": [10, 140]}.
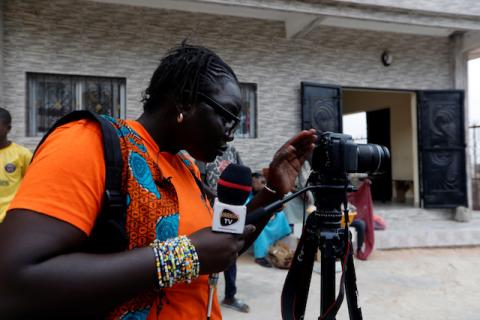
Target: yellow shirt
{"type": "Point", "coordinates": [14, 160]}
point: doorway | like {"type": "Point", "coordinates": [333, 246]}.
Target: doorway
{"type": "Point", "coordinates": [390, 120]}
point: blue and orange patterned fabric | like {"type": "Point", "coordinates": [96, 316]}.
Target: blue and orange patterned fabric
{"type": "Point", "coordinates": [154, 212]}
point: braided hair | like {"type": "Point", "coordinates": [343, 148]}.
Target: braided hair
{"type": "Point", "coordinates": [184, 71]}
{"type": "Point", "coordinates": [5, 116]}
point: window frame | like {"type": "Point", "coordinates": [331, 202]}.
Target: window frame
{"type": "Point", "coordinates": [253, 134]}
{"type": "Point", "coordinates": [78, 85]}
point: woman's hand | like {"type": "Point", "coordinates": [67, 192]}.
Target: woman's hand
{"type": "Point", "coordinates": [216, 250]}
{"type": "Point", "coordinates": [288, 160]}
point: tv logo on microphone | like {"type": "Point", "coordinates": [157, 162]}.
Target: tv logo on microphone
{"type": "Point", "coordinates": [228, 218]}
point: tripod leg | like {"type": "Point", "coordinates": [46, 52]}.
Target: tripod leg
{"type": "Point", "coordinates": [351, 290]}
{"type": "Point", "coordinates": [347, 285]}
{"type": "Point", "coordinates": [327, 264]}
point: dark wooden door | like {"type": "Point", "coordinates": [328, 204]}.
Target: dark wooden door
{"type": "Point", "coordinates": [321, 107]}
{"type": "Point", "coordinates": [378, 132]}
{"type": "Point", "coordinates": [441, 145]}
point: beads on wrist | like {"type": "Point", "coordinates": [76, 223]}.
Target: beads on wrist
{"type": "Point", "coordinates": [176, 261]}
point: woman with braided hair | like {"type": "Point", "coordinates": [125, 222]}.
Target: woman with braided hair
{"type": "Point", "coordinates": [192, 103]}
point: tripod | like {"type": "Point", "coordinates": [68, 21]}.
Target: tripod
{"type": "Point", "coordinates": [322, 231]}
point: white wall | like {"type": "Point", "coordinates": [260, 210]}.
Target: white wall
{"type": "Point", "coordinates": [463, 7]}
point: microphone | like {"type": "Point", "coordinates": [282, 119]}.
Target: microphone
{"type": "Point", "coordinates": [229, 210]}
{"type": "Point", "coordinates": [235, 184]}
{"type": "Point", "coordinates": [233, 188]}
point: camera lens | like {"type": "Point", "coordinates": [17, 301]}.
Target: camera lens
{"type": "Point", "coordinates": [372, 158]}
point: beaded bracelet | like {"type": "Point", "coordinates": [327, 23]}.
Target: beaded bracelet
{"type": "Point", "coordinates": [269, 189]}
{"type": "Point", "coordinates": [273, 192]}
{"type": "Point", "coordinates": [176, 261]}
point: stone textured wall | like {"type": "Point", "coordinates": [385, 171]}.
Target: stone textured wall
{"type": "Point", "coordinates": [89, 38]}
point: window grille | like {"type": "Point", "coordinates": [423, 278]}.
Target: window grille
{"type": "Point", "coordinates": [51, 96]}
{"type": "Point", "coordinates": [248, 117]}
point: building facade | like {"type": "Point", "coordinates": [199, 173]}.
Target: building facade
{"type": "Point", "coordinates": [274, 46]}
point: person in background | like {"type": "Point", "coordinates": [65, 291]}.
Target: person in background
{"type": "Point", "coordinates": [300, 207]}
{"type": "Point", "coordinates": [276, 229]}
{"type": "Point", "coordinates": [361, 200]}
{"type": "Point", "coordinates": [210, 173]}
{"type": "Point", "coordinates": [14, 160]}
{"type": "Point", "coordinates": [360, 228]}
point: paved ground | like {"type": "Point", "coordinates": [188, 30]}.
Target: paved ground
{"type": "Point", "coordinates": [393, 284]}
{"type": "Point", "coordinates": [442, 282]}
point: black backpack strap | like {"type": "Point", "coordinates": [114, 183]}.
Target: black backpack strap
{"type": "Point", "coordinates": [108, 233]}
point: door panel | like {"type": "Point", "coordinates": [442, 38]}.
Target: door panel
{"type": "Point", "coordinates": [441, 142]}
{"type": "Point", "coordinates": [321, 107]}
{"type": "Point", "coordinates": [378, 132]}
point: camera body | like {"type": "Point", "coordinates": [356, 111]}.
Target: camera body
{"type": "Point", "coordinates": [336, 154]}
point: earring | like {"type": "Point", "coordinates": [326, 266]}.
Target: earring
{"type": "Point", "coordinates": [180, 118]}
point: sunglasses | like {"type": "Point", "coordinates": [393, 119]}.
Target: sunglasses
{"type": "Point", "coordinates": [227, 115]}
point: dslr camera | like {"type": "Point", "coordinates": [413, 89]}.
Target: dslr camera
{"type": "Point", "coordinates": [337, 154]}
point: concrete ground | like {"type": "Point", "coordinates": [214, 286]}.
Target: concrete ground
{"type": "Point", "coordinates": [409, 227]}
{"type": "Point", "coordinates": [425, 266]}
{"type": "Point", "coordinates": [393, 284]}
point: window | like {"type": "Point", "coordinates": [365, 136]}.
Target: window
{"type": "Point", "coordinates": [51, 96]}
{"type": "Point", "coordinates": [248, 117]}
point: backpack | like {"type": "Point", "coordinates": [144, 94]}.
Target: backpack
{"type": "Point", "coordinates": [108, 233]}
